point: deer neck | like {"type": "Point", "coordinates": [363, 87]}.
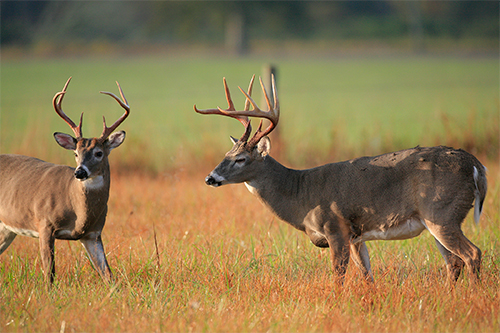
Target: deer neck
{"type": "Point", "coordinates": [98, 181]}
{"type": "Point", "coordinates": [278, 187]}
{"type": "Point", "coordinates": [91, 195]}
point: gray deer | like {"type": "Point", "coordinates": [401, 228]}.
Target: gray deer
{"type": "Point", "coordinates": [342, 205]}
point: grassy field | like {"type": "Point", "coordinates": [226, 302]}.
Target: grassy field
{"type": "Point", "coordinates": [221, 262]}
{"type": "Point", "coordinates": [330, 108]}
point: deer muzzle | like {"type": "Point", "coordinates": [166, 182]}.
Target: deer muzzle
{"type": "Point", "coordinates": [215, 179]}
{"type": "Point", "coordinates": [211, 181]}
{"type": "Point", "coordinates": [81, 173]}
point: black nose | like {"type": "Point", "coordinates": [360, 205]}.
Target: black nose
{"type": "Point", "coordinates": [80, 173]}
{"type": "Point", "coordinates": [210, 180]}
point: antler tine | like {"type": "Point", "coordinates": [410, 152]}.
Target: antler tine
{"type": "Point", "coordinates": [266, 96]}
{"type": "Point", "coordinates": [124, 104]}
{"type": "Point", "coordinates": [272, 114]}
{"type": "Point", "coordinates": [230, 104]}
{"type": "Point", "coordinates": [248, 126]}
{"type": "Point", "coordinates": [250, 86]}
{"type": "Point", "coordinates": [57, 102]}
{"type": "Point", "coordinates": [231, 111]}
{"type": "Point", "coordinates": [275, 97]}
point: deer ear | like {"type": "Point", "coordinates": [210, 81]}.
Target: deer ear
{"type": "Point", "coordinates": [65, 140]}
{"type": "Point", "coordinates": [233, 140]}
{"type": "Point", "coordinates": [116, 139]}
{"type": "Point", "coordinates": [264, 146]}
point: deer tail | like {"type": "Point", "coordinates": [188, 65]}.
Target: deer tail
{"type": "Point", "coordinates": [480, 190]}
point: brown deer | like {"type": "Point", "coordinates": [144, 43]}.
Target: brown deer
{"type": "Point", "coordinates": [342, 205]}
{"type": "Point", "coordinates": [49, 201]}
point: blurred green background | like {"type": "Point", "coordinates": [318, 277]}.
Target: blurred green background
{"type": "Point", "coordinates": [354, 77]}
{"type": "Point", "coordinates": [49, 27]}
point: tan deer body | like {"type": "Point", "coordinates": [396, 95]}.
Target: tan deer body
{"type": "Point", "coordinates": [342, 205]}
{"type": "Point", "coordinates": [71, 216]}
{"type": "Point", "coordinates": [49, 201]}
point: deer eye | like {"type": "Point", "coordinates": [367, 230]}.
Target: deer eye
{"type": "Point", "coordinates": [98, 154]}
{"type": "Point", "coordinates": [240, 160]}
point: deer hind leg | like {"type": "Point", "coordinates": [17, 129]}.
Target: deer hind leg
{"type": "Point", "coordinates": [95, 249]}
{"type": "Point", "coordinates": [47, 240]}
{"type": "Point", "coordinates": [455, 242]}
{"type": "Point", "coordinates": [359, 254]}
{"type": "Point", "coordinates": [454, 264]}
{"type": "Point", "coordinates": [6, 237]}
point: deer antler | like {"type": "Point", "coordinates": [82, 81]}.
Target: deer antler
{"type": "Point", "coordinates": [230, 110]}
{"type": "Point", "coordinates": [272, 115]}
{"type": "Point", "coordinates": [57, 102]}
{"type": "Point", "coordinates": [124, 104]}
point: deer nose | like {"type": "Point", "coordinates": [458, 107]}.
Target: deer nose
{"type": "Point", "coordinates": [81, 173]}
{"type": "Point", "coordinates": [210, 180]}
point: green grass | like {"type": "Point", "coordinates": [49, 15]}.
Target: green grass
{"type": "Point", "coordinates": [334, 108]}
{"type": "Point", "coordinates": [224, 263]}
{"type": "Point", "coordinates": [229, 266]}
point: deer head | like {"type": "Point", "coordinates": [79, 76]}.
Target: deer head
{"type": "Point", "coordinates": [90, 154]}
{"type": "Point", "coordinates": [239, 163]}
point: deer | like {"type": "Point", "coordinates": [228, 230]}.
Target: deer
{"type": "Point", "coordinates": [48, 201]}
{"type": "Point", "coordinates": [341, 206]}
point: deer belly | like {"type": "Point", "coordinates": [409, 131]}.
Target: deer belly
{"type": "Point", "coordinates": [21, 231]}
{"type": "Point", "coordinates": [408, 229]}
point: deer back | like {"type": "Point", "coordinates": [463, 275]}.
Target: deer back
{"type": "Point", "coordinates": [412, 181]}
{"type": "Point", "coordinates": [372, 192]}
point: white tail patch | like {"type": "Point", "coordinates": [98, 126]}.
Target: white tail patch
{"type": "Point", "coordinates": [477, 204]}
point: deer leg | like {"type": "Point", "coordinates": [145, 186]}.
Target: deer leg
{"type": "Point", "coordinates": [455, 242]}
{"type": "Point", "coordinates": [338, 242]}
{"type": "Point", "coordinates": [316, 238]}
{"type": "Point", "coordinates": [47, 240]}
{"type": "Point", "coordinates": [359, 253]}
{"type": "Point", "coordinates": [95, 249]}
{"type": "Point", "coordinates": [454, 264]}
{"type": "Point", "coordinates": [6, 237]}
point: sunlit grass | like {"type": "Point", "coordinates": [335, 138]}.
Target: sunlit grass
{"type": "Point", "coordinates": [221, 262]}
{"type": "Point", "coordinates": [225, 264]}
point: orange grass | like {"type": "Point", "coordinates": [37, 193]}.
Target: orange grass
{"type": "Point", "coordinates": [225, 264]}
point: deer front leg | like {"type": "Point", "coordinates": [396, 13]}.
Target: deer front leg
{"type": "Point", "coordinates": [338, 241]}
{"type": "Point", "coordinates": [359, 253]}
{"type": "Point", "coordinates": [316, 238]}
{"type": "Point", "coordinates": [93, 245]}
{"type": "Point", "coordinates": [6, 237]}
{"type": "Point", "coordinates": [46, 240]}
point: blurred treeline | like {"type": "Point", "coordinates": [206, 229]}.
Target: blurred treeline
{"type": "Point", "coordinates": [234, 25]}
